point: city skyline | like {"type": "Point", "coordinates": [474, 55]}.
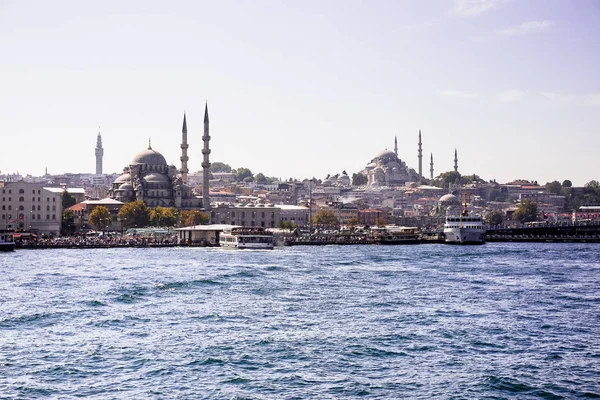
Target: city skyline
{"type": "Point", "coordinates": [301, 90]}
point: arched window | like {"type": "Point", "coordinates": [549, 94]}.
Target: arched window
{"type": "Point", "coordinates": [39, 208]}
{"type": "Point", "coordinates": [21, 208]}
{"type": "Point", "coordinates": [21, 191]}
{"type": "Point", "coordinates": [32, 208]}
{"type": "Point", "coordinates": [32, 216]}
{"type": "Point", "coordinates": [21, 198]}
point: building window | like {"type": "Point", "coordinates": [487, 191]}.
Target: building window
{"type": "Point", "coordinates": [21, 198]}
{"type": "Point", "coordinates": [47, 216]}
{"type": "Point", "coordinates": [53, 208]}
{"type": "Point", "coordinates": [32, 216]}
{"type": "Point", "coordinates": [39, 216]}
{"type": "Point", "coordinates": [33, 192]}
{"type": "Point", "coordinates": [10, 207]}
{"type": "Point", "coordinates": [48, 199]}
{"type": "Point", "coordinates": [33, 199]}
{"type": "Point", "coordinates": [54, 199]}
{"type": "Point", "coordinates": [39, 198]}
{"type": "Point", "coordinates": [21, 191]}
{"type": "Point", "coordinates": [53, 216]}
{"type": "Point", "coordinates": [38, 193]}
{"type": "Point", "coordinates": [47, 208]}
{"type": "Point", "coordinates": [32, 208]}
{"type": "Point", "coordinates": [39, 208]}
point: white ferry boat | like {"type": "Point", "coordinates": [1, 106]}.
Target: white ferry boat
{"type": "Point", "coordinates": [247, 238]}
{"type": "Point", "coordinates": [464, 228]}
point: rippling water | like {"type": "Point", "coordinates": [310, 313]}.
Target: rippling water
{"type": "Point", "coordinates": [381, 322]}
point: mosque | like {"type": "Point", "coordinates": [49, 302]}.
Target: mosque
{"type": "Point", "coordinates": [387, 169]}
{"type": "Point", "coordinates": [150, 179]}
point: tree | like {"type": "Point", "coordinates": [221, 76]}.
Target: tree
{"type": "Point", "coordinates": [100, 218]}
{"type": "Point", "coordinates": [567, 183]}
{"type": "Point", "coordinates": [352, 222]}
{"type": "Point", "coordinates": [554, 187]}
{"type": "Point", "coordinates": [68, 199]}
{"type": "Point", "coordinates": [286, 225]}
{"type": "Point", "coordinates": [494, 218]}
{"type": "Point", "coordinates": [325, 218]}
{"type": "Point", "coordinates": [162, 216]}
{"type": "Point", "coordinates": [192, 218]}
{"type": "Point", "coordinates": [134, 214]}
{"type": "Point", "coordinates": [526, 212]}
{"type": "Point", "coordinates": [359, 179]}
{"type": "Point", "coordinates": [220, 167]}
{"type": "Point", "coordinates": [260, 178]}
{"type": "Point", "coordinates": [449, 178]}
{"type": "Point", "coordinates": [68, 217]}
{"type": "Point", "coordinates": [242, 173]}
{"type": "Point", "coordinates": [593, 184]}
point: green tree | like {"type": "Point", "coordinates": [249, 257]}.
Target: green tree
{"type": "Point", "coordinates": [220, 167]}
{"type": "Point", "coordinates": [134, 214]}
{"type": "Point", "coordinates": [352, 222]}
{"type": "Point", "coordinates": [68, 218]}
{"type": "Point", "coordinates": [494, 218]}
{"type": "Point", "coordinates": [68, 199]}
{"type": "Point", "coordinates": [526, 211]}
{"type": "Point", "coordinates": [449, 178]}
{"type": "Point", "coordinates": [192, 218]}
{"type": "Point", "coordinates": [325, 218]}
{"type": "Point", "coordinates": [553, 187]}
{"type": "Point", "coordinates": [260, 178]}
{"type": "Point", "coordinates": [100, 218]}
{"type": "Point", "coordinates": [359, 179]}
{"type": "Point", "coordinates": [163, 216]}
{"type": "Point", "coordinates": [286, 225]}
{"type": "Point", "coordinates": [243, 173]}
{"type": "Point", "coordinates": [567, 183]}
{"type": "Point", "coordinates": [593, 184]}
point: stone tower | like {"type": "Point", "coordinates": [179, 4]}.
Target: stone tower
{"type": "Point", "coordinates": [455, 160]}
{"type": "Point", "coordinates": [184, 147]}
{"type": "Point", "coordinates": [205, 162]}
{"type": "Point", "coordinates": [420, 156]}
{"type": "Point", "coordinates": [431, 168]}
{"type": "Point", "coordinates": [99, 153]}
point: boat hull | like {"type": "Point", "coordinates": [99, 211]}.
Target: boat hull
{"type": "Point", "coordinates": [7, 246]}
{"type": "Point", "coordinates": [464, 236]}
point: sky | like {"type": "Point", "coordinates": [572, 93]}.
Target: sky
{"type": "Point", "coordinates": [300, 89]}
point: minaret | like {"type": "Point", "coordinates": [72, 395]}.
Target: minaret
{"type": "Point", "coordinates": [205, 162]}
{"type": "Point", "coordinates": [396, 145]}
{"type": "Point", "coordinates": [99, 153]}
{"type": "Point", "coordinates": [184, 157]}
{"type": "Point", "coordinates": [455, 160]}
{"type": "Point", "coordinates": [431, 167]}
{"type": "Point", "coordinates": [420, 156]}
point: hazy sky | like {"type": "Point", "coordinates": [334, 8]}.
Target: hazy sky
{"type": "Point", "coordinates": [304, 88]}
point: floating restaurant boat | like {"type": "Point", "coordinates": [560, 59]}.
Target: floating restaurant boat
{"type": "Point", "coordinates": [6, 241]}
{"type": "Point", "coordinates": [247, 238]}
{"type": "Point", "coordinates": [399, 235]}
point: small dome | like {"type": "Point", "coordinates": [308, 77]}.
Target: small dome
{"type": "Point", "coordinates": [123, 178]}
{"type": "Point", "coordinates": [150, 157]}
{"type": "Point", "coordinates": [449, 199]}
{"type": "Point", "coordinates": [155, 178]}
{"type": "Point", "coordinates": [126, 186]}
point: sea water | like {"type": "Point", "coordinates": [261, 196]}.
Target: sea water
{"type": "Point", "coordinates": [497, 321]}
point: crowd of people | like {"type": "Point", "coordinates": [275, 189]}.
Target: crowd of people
{"type": "Point", "coordinates": [84, 241]}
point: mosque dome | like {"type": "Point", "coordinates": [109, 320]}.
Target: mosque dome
{"type": "Point", "coordinates": [150, 157]}
{"type": "Point", "coordinates": [449, 199]}
{"type": "Point", "coordinates": [156, 178]}
{"type": "Point", "coordinates": [386, 153]}
{"type": "Point", "coordinates": [123, 178]}
{"type": "Point", "coordinates": [126, 186]}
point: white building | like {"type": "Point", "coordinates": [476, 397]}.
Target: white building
{"type": "Point", "coordinates": [30, 207]}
